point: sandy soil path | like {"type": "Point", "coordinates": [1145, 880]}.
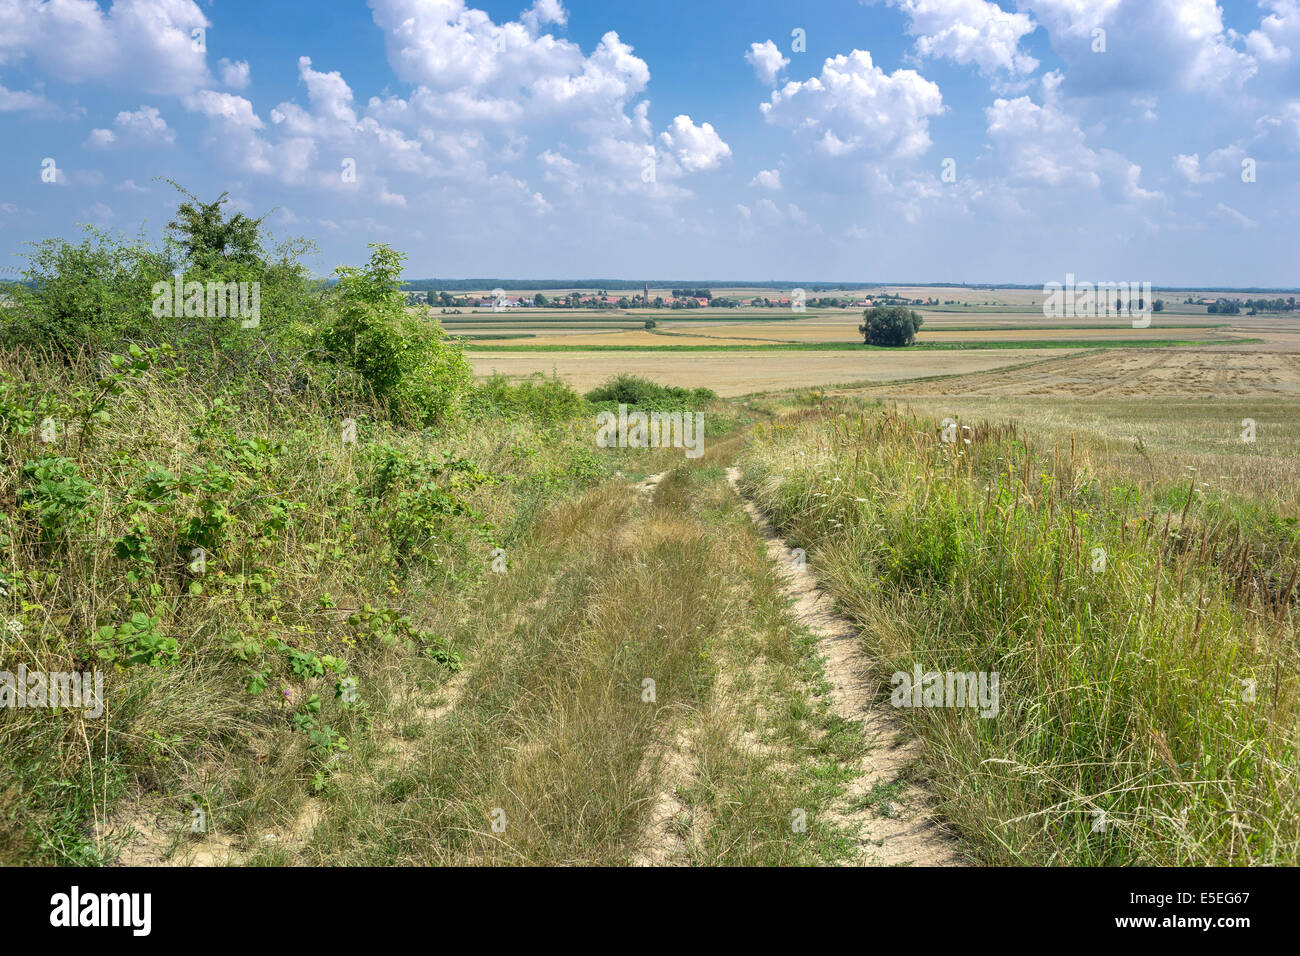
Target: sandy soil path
{"type": "Point", "coordinates": [896, 829]}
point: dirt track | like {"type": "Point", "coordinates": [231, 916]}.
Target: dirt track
{"type": "Point", "coordinates": [904, 833]}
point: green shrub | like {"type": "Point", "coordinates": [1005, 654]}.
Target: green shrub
{"type": "Point", "coordinates": [545, 400]}
{"type": "Point", "coordinates": [90, 294]}
{"type": "Point", "coordinates": [210, 247]}
{"type": "Point", "coordinates": [407, 361]}
{"type": "Point", "coordinates": [106, 293]}
{"type": "Point", "coordinates": [890, 325]}
{"type": "Point", "coordinates": [630, 389]}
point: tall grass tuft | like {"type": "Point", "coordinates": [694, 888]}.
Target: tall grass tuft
{"type": "Point", "coordinates": [1146, 648]}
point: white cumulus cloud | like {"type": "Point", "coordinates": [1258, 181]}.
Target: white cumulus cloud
{"type": "Point", "coordinates": [147, 45]}
{"type": "Point", "coordinates": [1044, 146]}
{"type": "Point", "coordinates": [235, 75]}
{"type": "Point", "coordinates": [696, 148]}
{"type": "Point", "coordinates": [854, 107]}
{"type": "Point", "coordinates": [970, 31]}
{"type": "Point", "coordinates": [766, 60]}
{"type": "Point", "coordinates": [1150, 45]}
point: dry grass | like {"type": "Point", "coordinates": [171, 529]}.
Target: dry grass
{"type": "Point", "coordinates": [305, 542]}
{"type": "Point", "coordinates": [1157, 694]}
{"type": "Point", "coordinates": [554, 737]}
{"type": "Point", "coordinates": [548, 722]}
{"type": "Point", "coordinates": [1150, 420]}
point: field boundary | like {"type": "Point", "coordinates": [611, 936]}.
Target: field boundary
{"type": "Point", "coordinates": [859, 347]}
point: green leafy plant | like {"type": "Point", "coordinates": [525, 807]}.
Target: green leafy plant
{"type": "Point", "coordinates": [137, 640]}
{"type": "Point", "coordinates": [390, 628]}
{"type": "Point", "coordinates": [89, 294]}
{"type": "Point", "coordinates": [546, 400]}
{"type": "Point", "coordinates": [418, 497]}
{"type": "Point", "coordinates": [55, 493]}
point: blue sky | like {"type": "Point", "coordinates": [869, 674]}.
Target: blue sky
{"type": "Point", "coordinates": [922, 140]}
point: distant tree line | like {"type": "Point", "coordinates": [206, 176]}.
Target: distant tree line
{"type": "Point", "coordinates": [620, 285]}
{"type": "Point", "coordinates": [1222, 306]}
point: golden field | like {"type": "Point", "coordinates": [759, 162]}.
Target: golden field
{"type": "Point", "coordinates": [737, 373]}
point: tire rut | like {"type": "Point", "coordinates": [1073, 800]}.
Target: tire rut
{"type": "Point", "coordinates": [904, 832]}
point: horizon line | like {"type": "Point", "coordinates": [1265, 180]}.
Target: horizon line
{"type": "Point", "coordinates": [828, 285]}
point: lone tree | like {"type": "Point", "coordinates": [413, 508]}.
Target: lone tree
{"type": "Point", "coordinates": [208, 240]}
{"type": "Point", "coordinates": [890, 325]}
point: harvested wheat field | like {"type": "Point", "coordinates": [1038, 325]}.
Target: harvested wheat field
{"type": "Point", "coordinates": [625, 337]}
{"type": "Point", "coordinates": [847, 331]}
{"type": "Point", "coordinates": [737, 373]}
{"type": "Point", "coordinates": [939, 329]}
{"type": "Point", "coordinates": [1118, 373]}
{"type": "Point", "coordinates": [1160, 417]}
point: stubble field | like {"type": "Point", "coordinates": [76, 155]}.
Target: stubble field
{"type": "Point", "coordinates": [1214, 355]}
{"type": "Point", "coordinates": [731, 374]}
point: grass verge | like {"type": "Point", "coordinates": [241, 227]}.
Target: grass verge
{"type": "Point", "coordinates": [1146, 647]}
